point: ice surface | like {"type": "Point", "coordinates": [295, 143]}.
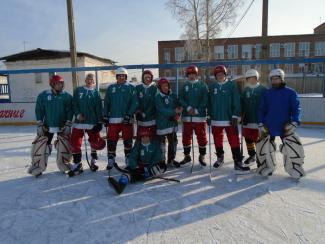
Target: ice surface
{"type": "Point", "coordinates": [230, 209]}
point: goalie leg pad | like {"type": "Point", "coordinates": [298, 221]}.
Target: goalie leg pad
{"type": "Point", "coordinates": [63, 155]}
{"type": "Point", "coordinates": [265, 152]}
{"type": "Point", "coordinates": [40, 152]}
{"type": "Point", "coordinates": [293, 156]}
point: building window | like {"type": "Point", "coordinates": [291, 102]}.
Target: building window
{"type": "Point", "coordinates": [318, 67]}
{"type": "Point", "coordinates": [258, 50]}
{"type": "Point", "coordinates": [304, 49]}
{"type": "Point", "coordinates": [274, 50]}
{"type": "Point", "coordinates": [38, 77]}
{"type": "Point", "coordinates": [289, 49]}
{"type": "Point", "coordinates": [219, 52]}
{"type": "Point", "coordinates": [166, 55]}
{"type": "Point", "coordinates": [179, 54]}
{"type": "Point", "coordinates": [246, 51]}
{"type": "Point", "coordinates": [232, 70]}
{"type": "Point", "coordinates": [288, 68]}
{"type": "Point", "coordinates": [232, 51]}
{"type": "Point", "coordinates": [245, 68]}
{"type": "Point", "coordinates": [303, 68]}
{"type": "Point", "coordinates": [167, 73]}
{"type": "Point", "coordinates": [319, 48]}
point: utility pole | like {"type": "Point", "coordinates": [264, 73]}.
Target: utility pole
{"type": "Point", "coordinates": [72, 40]}
{"type": "Point", "coordinates": [24, 43]}
{"type": "Point", "coordinates": [264, 67]}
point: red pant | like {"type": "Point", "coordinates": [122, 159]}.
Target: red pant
{"type": "Point", "coordinates": [251, 134]}
{"type": "Point", "coordinates": [115, 129]}
{"type": "Point", "coordinates": [232, 134]}
{"type": "Point", "coordinates": [76, 140]}
{"type": "Point", "coordinates": [200, 132]}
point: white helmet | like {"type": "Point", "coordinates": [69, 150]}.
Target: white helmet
{"type": "Point", "coordinates": [277, 72]}
{"type": "Point", "coordinates": [121, 71]}
{"type": "Point", "coordinates": [252, 73]}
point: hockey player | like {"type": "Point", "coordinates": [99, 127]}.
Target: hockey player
{"type": "Point", "coordinates": [144, 162]}
{"type": "Point", "coordinates": [87, 107]}
{"type": "Point", "coordinates": [224, 111]}
{"type": "Point", "coordinates": [250, 100]}
{"type": "Point", "coordinates": [146, 113]}
{"type": "Point", "coordinates": [54, 115]}
{"type": "Point", "coordinates": [120, 103]}
{"type": "Point", "coordinates": [168, 113]}
{"type": "Point", "coordinates": [279, 115]}
{"type": "Point", "coordinates": [194, 100]}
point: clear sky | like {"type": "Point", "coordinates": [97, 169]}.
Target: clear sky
{"type": "Point", "coordinates": [127, 31]}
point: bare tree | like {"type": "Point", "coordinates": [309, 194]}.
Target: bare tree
{"type": "Point", "coordinates": [202, 21]}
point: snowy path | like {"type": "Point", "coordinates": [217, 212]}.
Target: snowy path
{"type": "Point", "coordinates": [231, 209]}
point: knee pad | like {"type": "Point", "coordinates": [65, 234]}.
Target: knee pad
{"type": "Point", "coordinates": [63, 155]}
{"type": "Point", "coordinates": [265, 152]}
{"type": "Point", "coordinates": [293, 156]}
{"type": "Point", "coordinates": [40, 152]}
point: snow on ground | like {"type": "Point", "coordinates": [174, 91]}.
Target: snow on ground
{"type": "Point", "coordinates": [230, 209]}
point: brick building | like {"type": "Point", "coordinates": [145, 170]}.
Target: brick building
{"type": "Point", "coordinates": [250, 48]}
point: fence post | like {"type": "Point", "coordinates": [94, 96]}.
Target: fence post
{"type": "Point", "coordinates": [324, 87]}
{"type": "Point", "coordinates": [177, 81]}
{"type": "Point", "coordinates": [97, 83]}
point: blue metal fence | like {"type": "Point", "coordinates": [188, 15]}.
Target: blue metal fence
{"type": "Point", "coordinates": [176, 66]}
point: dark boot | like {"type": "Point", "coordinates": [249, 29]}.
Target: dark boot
{"type": "Point", "coordinates": [202, 151]}
{"type": "Point", "coordinates": [187, 159]}
{"type": "Point", "coordinates": [202, 160]}
{"type": "Point", "coordinates": [249, 161]}
{"type": "Point", "coordinates": [220, 161]}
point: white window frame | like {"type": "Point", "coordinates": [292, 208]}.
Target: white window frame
{"type": "Point", "coordinates": [275, 50]}
{"type": "Point", "coordinates": [179, 54]}
{"type": "Point", "coordinates": [304, 49]}
{"type": "Point", "coordinates": [232, 51]}
{"type": "Point", "coordinates": [219, 52]}
{"type": "Point", "coordinates": [247, 51]}
{"type": "Point", "coordinates": [258, 50]}
{"type": "Point", "coordinates": [167, 56]}
{"type": "Point", "coordinates": [320, 48]}
{"type": "Point", "coordinates": [289, 49]}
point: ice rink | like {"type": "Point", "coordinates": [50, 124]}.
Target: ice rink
{"type": "Point", "coordinates": [230, 209]}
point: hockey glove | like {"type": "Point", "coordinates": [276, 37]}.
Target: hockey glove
{"type": "Point", "coordinates": [208, 121]}
{"type": "Point", "coordinates": [97, 128]}
{"type": "Point", "coordinates": [290, 128]}
{"type": "Point", "coordinates": [234, 121]}
{"type": "Point", "coordinates": [262, 131]}
{"type": "Point", "coordinates": [41, 129]}
{"type": "Point", "coordinates": [126, 119]}
{"type": "Point", "coordinates": [105, 121]}
{"type": "Point", "coordinates": [66, 129]}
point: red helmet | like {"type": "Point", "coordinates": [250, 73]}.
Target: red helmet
{"type": "Point", "coordinates": [162, 81]}
{"type": "Point", "coordinates": [98, 144]}
{"type": "Point", "coordinates": [220, 69]}
{"type": "Point", "coordinates": [192, 69]}
{"type": "Point", "coordinates": [146, 132]}
{"type": "Point", "coordinates": [55, 79]}
{"type": "Point", "coordinates": [147, 72]}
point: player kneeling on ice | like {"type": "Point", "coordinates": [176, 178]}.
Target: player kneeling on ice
{"type": "Point", "coordinates": [250, 100]}
{"type": "Point", "coordinates": [168, 113]}
{"type": "Point", "coordinates": [53, 114]}
{"type": "Point", "coordinates": [144, 163]}
{"type": "Point", "coordinates": [87, 108]}
{"type": "Point", "coordinates": [279, 115]}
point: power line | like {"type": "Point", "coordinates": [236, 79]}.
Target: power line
{"type": "Point", "coordinates": [243, 16]}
